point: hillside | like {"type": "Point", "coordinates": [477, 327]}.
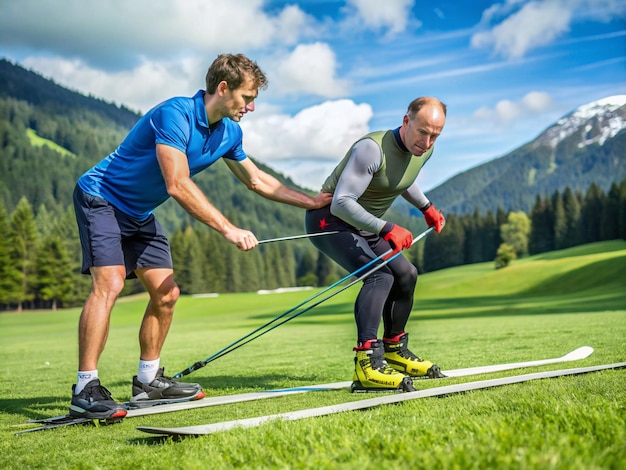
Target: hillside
{"type": "Point", "coordinates": [594, 268]}
{"type": "Point", "coordinates": [42, 124]}
{"type": "Point", "coordinates": [588, 145]}
{"type": "Point", "coordinates": [21, 84]}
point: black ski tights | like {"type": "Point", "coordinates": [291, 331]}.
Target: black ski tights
{"type": "Point", "coordinates": [386, 294]}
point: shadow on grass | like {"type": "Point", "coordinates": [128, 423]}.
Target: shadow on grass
{"type": "Point", "coordinates": [526, 303]}
{"type": "Point", "coordinates": [602, 275]}
{"type": "Point", "coordinates": [33, 408]}
{"type": "Point", "coordinates": [47, 407]}
{"type": "Point", "coordinates": [219, 383]}
{"type": "Point", "coordinates": [155, 440]}
{"type": "Point", "coordinates": [596, 287]}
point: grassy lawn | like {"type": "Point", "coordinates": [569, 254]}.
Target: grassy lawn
{"type": "Point", "coordinates": [539, 307]}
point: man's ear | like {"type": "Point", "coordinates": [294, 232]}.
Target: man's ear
{"type": "Point", "coordinates": [222, 87]}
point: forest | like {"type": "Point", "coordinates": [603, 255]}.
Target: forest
{"type": "Point", "coordinates": [40, 256]}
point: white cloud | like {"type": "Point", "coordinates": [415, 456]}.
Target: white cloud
{"type": "Point", "coordinates": [324, 131]}
{"type": "Point", "coordinates": [537, 102]}
{"type": "Point", "coordinates": [309, 69]}
{"type": "Point", "coordinates": [308, 144]}
{"type": "Point", "coordinates": [138, 88]}
{"type": "Point", "coordinates": [506, 111]}
{"type": "Point", "coordinates": [117, 33]}
{"type": "Point", "coordinates": [536, 24]}
{"type": "Point", "coordinates": [525, 26]}
{"type": "Point", "coordinates": [393, 17]}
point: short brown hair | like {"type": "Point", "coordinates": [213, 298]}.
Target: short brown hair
{"type": "Point", "coordinates": [418, 103]}
{"type": "Point", "coordinates": [234, 69]}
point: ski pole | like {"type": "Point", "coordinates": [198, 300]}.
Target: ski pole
{"type": "Point", "coordinates": [294, 237]}
{"type": "Point", "coordinates": [225, 351]}
{"type": "Point", "coordinates": [240, 342]}
{"type": "Point", "coordinates": [200, 364]}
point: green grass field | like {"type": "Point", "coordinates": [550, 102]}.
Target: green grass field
{"type": "Point", "coordinates": [539, 307]}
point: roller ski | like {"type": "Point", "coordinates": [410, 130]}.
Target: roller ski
{"type": "Point", "coordinates": [399, 357]}
{"type": "Point", "coordinates": [373, 374]}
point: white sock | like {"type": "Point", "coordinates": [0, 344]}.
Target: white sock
{"type": "Point", "coordinates": [147, 370]}
{"type": "Point", "coordinates": [84, 377]}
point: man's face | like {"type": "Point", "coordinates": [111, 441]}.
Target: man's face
{"type": "Point", "coordinates": [236, 103]}
{"type": "Point", "coordinates": [419, 134]}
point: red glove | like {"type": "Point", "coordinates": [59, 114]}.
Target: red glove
{"type": "Point", "coordinates": [399, 237]}
{"type": "Point", "coordinates": [433, 217]}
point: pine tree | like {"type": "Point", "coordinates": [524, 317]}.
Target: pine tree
{"type": "Point", "coordinates": [609, 220]}
{"type": "Point", "coordinates": [560, 221]}
{"type": "Point", "coordinates": [10, 279]}
{"type": "Point", "coordinates": [445, 249]}
{"type": "Point", "coordinates": [250, 264]}
{"type": "Point", "coordinates": [622, 210]}
{"type": "Point", "coordinates": [571, 207]}
{"type": "Point", "coordinates": [288, 259]}
{"type": "Point", "coordinates": [306, 264]}
{"type": "Point", "coordinates": [214, 263]}
{"type": "Point", "coordinates": [23, 236]}
{"type": "Point", "coordinates": [65, 228]}
{"type": "Point", "coordinates": [591, 214]}
{"type": "Point", "coordinates": [54, 271]}
{"type": "Point", "coordinates": [490, 231]}
{"type": "Point", "coordinates": [324, 270]}
{"type": "Point", "coordinates": [473, 238]}
{"type": "Point", "coordinates": [274, 275]}
{"type": "Point", "coordinates": [541, 237]}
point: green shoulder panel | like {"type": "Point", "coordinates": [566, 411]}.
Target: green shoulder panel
{"type": "Point", "coordinates": [397, 172]}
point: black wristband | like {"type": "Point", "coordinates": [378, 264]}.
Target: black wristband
{"type": "Point", "coordinates": [386, 229]}
{"type": "Point", "coordinates": [426, 206]}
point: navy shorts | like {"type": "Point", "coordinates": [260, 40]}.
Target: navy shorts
{"type": "Point", "coordinates": [111, 238]}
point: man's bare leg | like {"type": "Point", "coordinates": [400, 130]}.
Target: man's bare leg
{"type": "Point", "coordinates": [89, 398]}
{"type": "Point", "coordinates": [150, 387]}
{"type": "Point", "coordinates": [158, 316]}
{"type": "Point", "coordinates": [93, 326]}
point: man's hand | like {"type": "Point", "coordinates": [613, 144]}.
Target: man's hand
{"type": "Point", "coordinates": [242, 239]}
{"type": "Point", "coordinates": [321, 200]}
{"type": "Point", "coordinates": [433, 217]}
{"type": "Point", "coordinates": [399, 237]}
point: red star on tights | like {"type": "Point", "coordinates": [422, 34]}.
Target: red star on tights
{"type": "Point", "coordinates": [323, 224]}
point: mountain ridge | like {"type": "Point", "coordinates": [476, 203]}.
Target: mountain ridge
{"type": "Point", "coordinates": [585, 146]}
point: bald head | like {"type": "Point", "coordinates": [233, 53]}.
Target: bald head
{"type": "Point", "coordinates": [419, 103]}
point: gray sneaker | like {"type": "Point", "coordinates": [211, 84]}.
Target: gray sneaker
{"type": "Point", "coordinates": [163, 390]}
{"type": "Point", "coordinates": [95, 402]}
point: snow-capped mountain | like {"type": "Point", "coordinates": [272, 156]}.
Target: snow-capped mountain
{"type": "Point", "coordinates": [590, 123]}
{"type": "Point", "coordinates": [586, 146]}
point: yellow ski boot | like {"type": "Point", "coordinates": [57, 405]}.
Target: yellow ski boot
{"type": "Point", "coordinates": [373, 374]}
{"type": "Point", "coordinates": [402, 359]}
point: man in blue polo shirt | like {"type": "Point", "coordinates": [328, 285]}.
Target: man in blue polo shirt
{"type": "Point", "coordinates": [120, 237]}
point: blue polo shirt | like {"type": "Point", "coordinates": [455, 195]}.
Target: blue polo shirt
{"type": "Point", "coordinates": [130, 178]}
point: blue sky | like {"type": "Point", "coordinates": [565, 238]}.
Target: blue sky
{"type": "Point", "coordinates": [340, 68]}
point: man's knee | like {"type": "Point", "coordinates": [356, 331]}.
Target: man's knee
{"type": "Point", "coordinates": [407, 279]}
{"type": "Point", "coordinates": [167, 293]}
{"type": "Point", "coordinates": [382, 280]}
{"type": "Point", "coordinates": [107, 281]}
